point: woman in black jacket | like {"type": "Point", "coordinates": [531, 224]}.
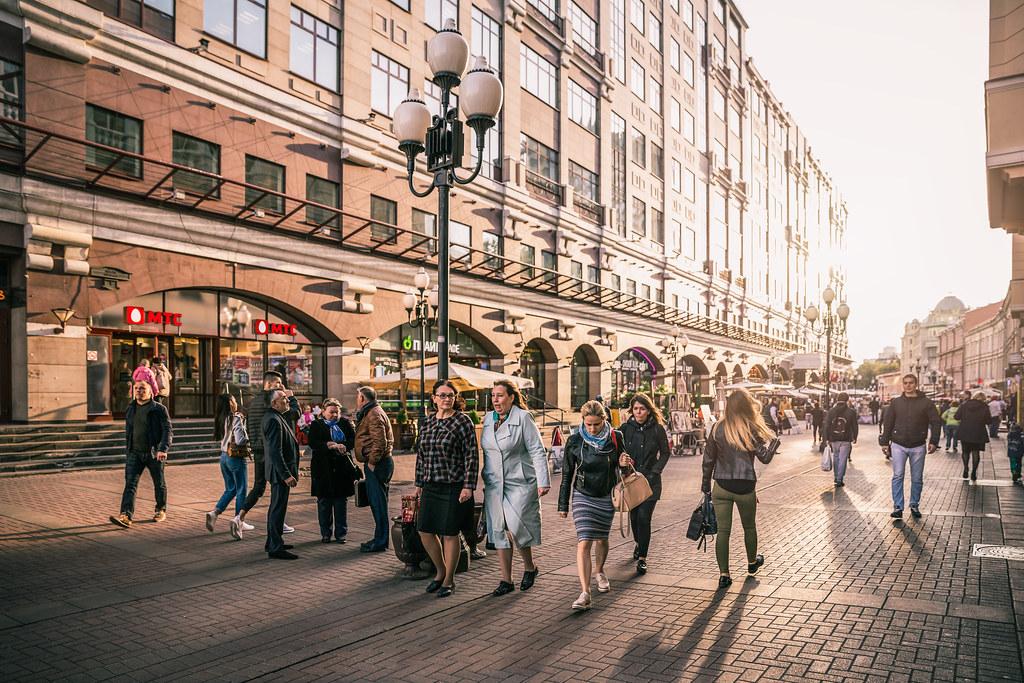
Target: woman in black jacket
{"type": "Point", "coordinates": [645, 439]}
{"type": "Point", "coordinates": [739, 437]}
{"type": "Point", "coordinates": [974, 417]}
{"type": "Point", "coordinates": [589, 473]}
{"type": "Point", "coordinates": [332, 470]}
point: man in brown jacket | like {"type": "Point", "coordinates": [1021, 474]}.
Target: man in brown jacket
{"type": "Point", "coordinates": [374, 442]}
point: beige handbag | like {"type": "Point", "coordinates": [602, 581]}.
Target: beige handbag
{"type": "Point", "coordinates": [631, 491]}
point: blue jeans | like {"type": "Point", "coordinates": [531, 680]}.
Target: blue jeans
{"type": "Point", "coordinates": [951, 431]}
{"type": "Point", "coordinates": [840, 454]}
{"type": "Point", "coordinates": [236, 479]}
{"type": "Point", "coordinates": [378, 481]}
{"type": "Point", "coordinates": [332, 512]}
{"type": "Point", "coordinates": [900, 455]}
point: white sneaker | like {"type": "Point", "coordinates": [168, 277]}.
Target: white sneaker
{"type": "Point", "coordinates": [211, 519]}
{"type": "Point", "coordinates": [237, 526]}
{"type": "Point", "coordinates": [288, 530]}
{"type": "Point", "coordinates": [582, 603]}
{"type": "Point", "coordinates": [603, 585]}
{"type": "Point", "coordinates": [246, 526]}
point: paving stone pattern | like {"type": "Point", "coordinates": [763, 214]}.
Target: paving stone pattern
{"type": "Point", "coordinates": [846, 593]}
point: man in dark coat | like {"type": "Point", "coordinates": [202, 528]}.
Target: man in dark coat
{"type": "Point", "coordinates": [147, 432]}
{"type": "Point", "coordinates": [281, 459]}
{"type": "Point", "coordinates": [905, 437]}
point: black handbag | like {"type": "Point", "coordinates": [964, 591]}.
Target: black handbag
{"type": "Point", "coordinates": [703, 523]}
{"type": "Point", "coordinates": [362, 499]}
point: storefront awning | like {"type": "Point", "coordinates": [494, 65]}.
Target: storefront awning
{"type": "Point", "coordinates": [464, 377]}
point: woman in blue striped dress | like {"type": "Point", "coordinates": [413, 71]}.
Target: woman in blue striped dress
{"type": "Point", "coordinates": [589, 475]}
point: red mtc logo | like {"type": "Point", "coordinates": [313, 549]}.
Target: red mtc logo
{"type": "Point", "coordinates": [262, 327]}
{"type": "Point", "coordinates": [136, 315]}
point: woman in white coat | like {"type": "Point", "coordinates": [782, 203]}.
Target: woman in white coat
{"type": "Point", "coordinates": [515, 477]}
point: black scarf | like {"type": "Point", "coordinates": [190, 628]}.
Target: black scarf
{"type": "Point", "coordinates": [367, 407]}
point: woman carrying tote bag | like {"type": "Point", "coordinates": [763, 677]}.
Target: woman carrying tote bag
{"type": "Point", "coordinates": [645, 439]}
{"type": "Point", "coordinates": [734, 442]}
{"type": "Point", "coordinates": [515, 477]}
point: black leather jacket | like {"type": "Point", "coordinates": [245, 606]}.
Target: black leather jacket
{"type": "Point", "coordinates": [647, 444]}
{"type": "Point", "coordinates": [908, 420]}
{"type": "Point", "coordinates": [590, 471]}
{"type": "Point", "coordinates": [724, 461]}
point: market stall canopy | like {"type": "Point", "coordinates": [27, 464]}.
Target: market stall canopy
{"type": "Point", "coordinates": [805, 361]}
{"type": "Point", "coordinates": [464, 377]}
{"type": "Point", "coordinates": [758, 387]}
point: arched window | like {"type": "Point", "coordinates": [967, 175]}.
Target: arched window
{"type": "Point", "coordinates": [580, 369]}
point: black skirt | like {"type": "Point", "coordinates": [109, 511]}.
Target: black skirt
{"type": "Point", "coordinates": [441, 512]}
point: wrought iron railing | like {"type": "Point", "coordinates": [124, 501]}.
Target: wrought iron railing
{"type": "Point", "coordinates": [588, 209]}
{"type": "Point", "coordinates": [544, 188]}
{"type": "Point", "coordinates": [63, 159]}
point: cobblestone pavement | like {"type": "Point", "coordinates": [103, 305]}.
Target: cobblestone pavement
{"type": "Point", "coordinates": [846, 593]}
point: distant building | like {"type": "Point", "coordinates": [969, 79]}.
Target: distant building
{"type": "Point", "coordinates": [919, 350]}
{"type": "Point", "coordinates": [889, 385]}
{"type": "Point", "coordinates": [887, 354]}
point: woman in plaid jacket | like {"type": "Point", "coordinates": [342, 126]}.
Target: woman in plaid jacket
{"type": "Point", "coordinates": [447, 464]}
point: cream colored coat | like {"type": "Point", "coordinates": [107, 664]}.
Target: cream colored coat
{"type": "Point", "coordinates": [515, 465]}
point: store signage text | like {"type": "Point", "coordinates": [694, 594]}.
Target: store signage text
{"type": "Point", "coordinates": [410, 344]}
{"type": "Point", "coordinates": [136, 315]}
{"type": "Point", "coordinates": [262, 327]}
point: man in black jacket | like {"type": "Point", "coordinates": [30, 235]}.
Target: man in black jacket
{"type": "Point", "coordinates": [904, 435]}
{"type": "Point", "coordinates": [147, 436]}
{"type": "Point", "coordinates": [840, 432]}
{"type": "Point", "coordinates": [281, 456]}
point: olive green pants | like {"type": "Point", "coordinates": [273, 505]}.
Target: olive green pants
{"type": "Point", "coordinates": [747, 503]}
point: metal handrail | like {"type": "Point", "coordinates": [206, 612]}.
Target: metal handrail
{"type": "Point", "coordinates": [60, 158]}
{"type": "Point", "coordinates": [544, 408]}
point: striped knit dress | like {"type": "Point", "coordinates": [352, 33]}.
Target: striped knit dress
{"type": "Point", "coordinates": [592, 516]}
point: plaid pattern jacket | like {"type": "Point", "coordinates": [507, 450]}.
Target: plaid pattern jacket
{"type": "Point", "coordinates": [446, 452]}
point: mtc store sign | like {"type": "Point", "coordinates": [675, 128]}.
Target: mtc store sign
{"type": "Point", "coordinates": [410, 344]}
{"type": "Point", "coordinates": [136, 315]}
{"type": "Point", "coordinates": [264, 327]}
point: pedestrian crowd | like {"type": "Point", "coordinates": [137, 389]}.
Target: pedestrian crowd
{"type": "Point", "coordinates": [353, 459]}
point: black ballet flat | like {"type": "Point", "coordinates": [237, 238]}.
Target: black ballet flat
{"type": "Point", "coordinates": [528, 579]}
{"type": "Point", "coordinates": [433, 586]}
{"type": "Point", "coordinates": [445, 591]}
{"type": "Point", "coordinates": [504, 588]}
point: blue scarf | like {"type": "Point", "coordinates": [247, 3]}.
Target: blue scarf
{"type": "Point", "coordinates": [598, 441]}
{"type": "Point", "coordinates": [337, 436]}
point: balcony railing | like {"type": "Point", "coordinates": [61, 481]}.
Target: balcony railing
{"type": "Point", "coordinates": [543, 188]}
{"type": "Point", "coordinates": [547, 15]}
{"type": "Point", "coordinates": [62, 159]}
{"type": "Point", "coordinates": [588, 209]}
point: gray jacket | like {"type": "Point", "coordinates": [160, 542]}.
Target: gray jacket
{"type": "Point", "coordinates": [724, 461]}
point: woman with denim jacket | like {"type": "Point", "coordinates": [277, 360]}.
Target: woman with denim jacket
{"type": "Point", "coordinates": [589, 473]}
{"type": "Point", "coordinates": [734, 442]}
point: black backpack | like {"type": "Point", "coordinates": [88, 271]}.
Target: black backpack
{"type": "Point", "coordinates": [840, 428]}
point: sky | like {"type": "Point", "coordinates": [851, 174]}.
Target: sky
{"type": "Point", "coordinates": [890, 96]}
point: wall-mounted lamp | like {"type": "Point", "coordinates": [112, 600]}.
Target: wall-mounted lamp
{"type": "Point", "coordinates": [63, 315]}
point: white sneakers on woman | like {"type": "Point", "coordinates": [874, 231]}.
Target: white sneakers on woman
{"type": "Point", "coordinates": [603, 585]}
{"type": "Point", "coordinates": [582, 602]}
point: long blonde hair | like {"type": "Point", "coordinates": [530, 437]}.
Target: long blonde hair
{"type": "Point", "coordinates": [742, 425]}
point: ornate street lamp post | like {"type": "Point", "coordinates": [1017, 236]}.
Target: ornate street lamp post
{"type": "Point", "coordinates": [829, 322]}
{"type": "Point", "coordinates": [671, 344]}
{"type": "Point", "coordinates": [480, 97]}
{"type": "Point", "coordinates": [421, 307]}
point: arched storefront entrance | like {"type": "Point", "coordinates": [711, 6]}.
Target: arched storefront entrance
{"type": "Point", "coordinates": [211, 342]}
{"type": "Point", "coordinates": [633, 371]}
{"type": "Point", "coordinates": [758, 374]}
{"type": "Point", "coordinates": [533, 364]}
{"type": "Point", "coordinates": [584, 365]}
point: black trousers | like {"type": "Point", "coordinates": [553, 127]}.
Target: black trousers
{"type": "Point", "coordinates": [814, 431]}
{"type": "Point", "coordinates": [275, 516]}
{"type": "Point", "coordinates": [259, 485]}
{"type": "Point", "coordinates": [135, 464]}
{"type": "Point", "coordinates": [640, 524]}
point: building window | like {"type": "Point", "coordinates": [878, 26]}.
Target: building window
{"type": "Point", "coordinates": [690, 186]}
{"type": "Point", "coordinates": [584, 29]}
{"type": "Point", "coordinates": [389, 84]}
{"type": "Point", "coordinates": [636, 14]}
{"type": "Point", "coordinates": [689, 249]}
{"type": "Point", "coordinates": [528, 256]}
{"type": "Point", "coordinates": [267, 175]}
{"type": "Point", "coordinates": [618, 39]}
{"type": "Point", "coordinates": [322, 191]}
{"type": "Point", "coordinates": [720, 11]}
{"type": "Point", "coordinates": [654, 96]}
{"type": "Point", "coordinates": [734, 120]}
{"type": "Point", "coordinates": [657, 161]}
{"type": "Point", "coordinates": [645, 292]}
{"type": "Point", "coordinates": [654, 31]}
{"type": "Point", "coordinates": [109, 128]}
{"type": "Point", "coordinates": [549, 262]}
{"type": "Point", "coordinates": [639, 149]}
{"type": "Point", "coordinates": [584, 182]}
{"type": "Point", "coordinates": [675, 114]}
{"type": "Point", "coordinates": [638, 80]}
{"type": "Point", "coordinates": [461, 241]}
{"type": "Point", "coordinates": [688, 69]}
{"type": "Point", "coordinates": [630, 287]}
{"type": "Point", "coordinates": [547, 8]}
{"type": "Point", "coordinates": [404, 4]}
{"type": "Point", "coordinates": [385, 211]}
{"type": "Point", "coordinates": [493, 244]}
{"type": "Point", "coordinates": [734, 30]}
{"type": "Point", "coordinates": [314, 50]}
{"type": "Point", "coordinates": [432, 97]}
{"type": "Point", "coordinates": [688, 14]}
{"type": "Point", "coordinates": [152, 16]}
{"type": "Point", "coordinates": [539, 158]}
{"type": "Point", "coordinates": [439, 11]}
{"type": "Point", "coordinates": [576, 271]}
{"type": "Point", "coordinates": [582, 107]}
{"type": "Point", "coordinates": [425, 224]}
{"type": "Point", "coordinates": [718, 103]}
{"type": "Point", "coordinates": [12, 84]}
{"type": "Point", "coordinates": [689, 128]}
{"type": "Point", "coordinates": [639, 220]}
{"type": "Point", "coordinates": [677, 175]}
{"type": "Point", "coordinates": [486, 41]}
{"type": "Point", "coordinates": [674, 54]}
{"type": "Point", "coordinates": [619, 171]}
{"type": "Point", "coordinates": [198, 154]}
{"type": "Point", "coordinates": [539, 77]}
{"type": "Point", "coordinates": [676, 241]}
{"type": "Point", "coordinates": [243, 23]}
{"type": "Point", "coordinates": [657, 226]}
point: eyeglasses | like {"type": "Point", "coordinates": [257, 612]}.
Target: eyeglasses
{"type": "Point", "coordinates": [445, 396]}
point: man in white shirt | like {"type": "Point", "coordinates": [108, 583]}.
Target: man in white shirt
{"type": "Point", "coordinates": [995, 409]}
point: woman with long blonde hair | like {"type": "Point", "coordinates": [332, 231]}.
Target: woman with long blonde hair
{"type": "Point", "coordinates": [739, 437]}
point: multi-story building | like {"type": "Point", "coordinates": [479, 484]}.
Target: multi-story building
{"type": "Point", "coordinates": [919, 347]}
{"type": "Point", "coordinates": [984, 353]}
{"type": "Point", "coordinates": [215, 182]}
{"type": "Point", "coordinates": [951, 354]}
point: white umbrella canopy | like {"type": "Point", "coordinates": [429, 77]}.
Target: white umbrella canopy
{"type": "Point", "coordinates": [464, 377]}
